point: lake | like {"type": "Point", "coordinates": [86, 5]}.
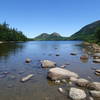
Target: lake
{"type": "Point", "coordinates": [13, 68]}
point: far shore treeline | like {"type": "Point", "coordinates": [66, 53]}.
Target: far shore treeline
{"type": "Point", "coordinates": [10, 34]}
{"type": "Point", "coordinates": [89, 33]}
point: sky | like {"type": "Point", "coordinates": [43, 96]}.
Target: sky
{"type": "Point", "coordinates": [34, 17]}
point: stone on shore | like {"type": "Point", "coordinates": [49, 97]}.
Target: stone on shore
{"type": "Point", "coordinates": [24, 79]}
{"type": "Point", "coordinates": [48, 64]}
{"type": "Point", "coordinates": [60, 73]}
{"type": "Point", "coordinates": [82, 82]}
{"type": "Point", "coordinates": [95, 94]}
{"type": "Point", "coordinates": [94, 86]}
{"type": "Point", "coordinates": [73, 79]}
{"type": "Point", "coordinates": [77, 94]}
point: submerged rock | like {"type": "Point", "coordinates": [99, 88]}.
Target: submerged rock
{"type": "Point", "coordinates": [24, 79]}
{"type": "Point", "coordinates": [73, 54]}
{"type": "Point", "coordinates": [61, 90]}
{"type": "Point", "coordinates": [60, 73]}
{"type": "Point", "coordinates": [57, 54]}
{"type": "Point", "coordinates": [48, 64]}
{"type": "Point", "coordinates": [77, 94]}
{"type": "Point", "coordinates": [84, 57]}
{"type": "Point", "coordinates": [95, 94]}
{"type": "Point", "coordinates": [57, 81]}
{"type": "Point", "coordinates": [28, 60]}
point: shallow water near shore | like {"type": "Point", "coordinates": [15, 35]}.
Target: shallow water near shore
{"type": "Point", "coordinates": [13, 68]}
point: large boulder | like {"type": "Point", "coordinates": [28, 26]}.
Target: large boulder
{"type": "Point", "coordinates": [77, 94]}
{"type": "Point", "coordinates": [95, 94]}
{"type": "Point", "coordinates": [94, 86]}
{"type": "Point", "coordinates": [60, 73]}
{"type": "Point", "coordinates": [48, 64]}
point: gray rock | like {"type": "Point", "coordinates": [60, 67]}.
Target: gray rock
{"type": "Point", "coordinates": [77, 94]}
{"type": "Point", "coordinates": [82, 82]}
{"type": "Point", "coordinates": [48, 64]}
{"type": "Point", "coordinates": [73, 79]}
{"type": "Point", "coordinates": [60, 73]}
{"type": "Point", "coordinates": [61, 90]}
{"type": "Point", "coordinates": [24, 79]}
{"type": "Point", "coordinates": [96, 55]}
{"type": "Point", "coordinates": [28, 60]}
{"type": "Point", "coordinates": [94, 85]}
{"type": "Point", "coordinates": [95, 94]}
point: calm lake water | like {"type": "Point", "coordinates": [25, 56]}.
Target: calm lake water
{"type": "Point", "coordinates": [13, 68]}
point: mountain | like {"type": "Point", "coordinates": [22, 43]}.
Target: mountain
{"type": "Point", "coordinates": [87, 32]}
{"type": "Point", "coordinates": [52, 36]}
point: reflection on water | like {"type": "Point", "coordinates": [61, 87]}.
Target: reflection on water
{"type": "Point", "coordinates": [7, 49]}
{"type": "Point", "coordinates": [13, 68]}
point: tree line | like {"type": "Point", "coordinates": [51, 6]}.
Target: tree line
{"type": "Point", "coordinates": [10, 34]}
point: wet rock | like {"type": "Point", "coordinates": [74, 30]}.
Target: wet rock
{"type": "Point", "coordinates": [73, 54]}
{"type": "Point", "coordinates": [82, 82]}
{"type": "Point", "coordinates": [63, 66]}
{"type": "Point", "coordinates": [24, 79]}
{"type": "Point", "coordinates": [63, 80]}
{"type": "Point", "coordinates": [28, 60]}
{"type": "Point", "coordinates": [95, 94]}
{"type": "Point", "coordinates": [61, 90]}
{"type": "Point", "coordinates": [84, 57]}
{"type": "Point", "coordinates": [73, 79]}
{"type": "Point", "coordinates": [60, 73]}
{"type": "Point", "coordinates": [94, 86]}
{"type": "Point", "coordinates": [97, 72]}
{"type": "Point", "coordinates": [48, 64]}
{"type": "Point", "coordinates": [57, 54]}
{"type": "Point", "coordinates": [96, 60]}
{"type": "Point", "coordinates": [57, 81]}
{"type": "Point", "coordinates": [96, 55]}
{"type": "Point", "coordinates": [77, 94]}
{"type": "Point", "coordinates": [90, 98]}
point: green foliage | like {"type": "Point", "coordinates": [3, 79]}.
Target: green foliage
{"type": "Point", "coordinates": [97, 34]}
{"type": "Point", "coordinates": [89, 33]}
{"type": "Point", "coordinates": [10, 34]}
